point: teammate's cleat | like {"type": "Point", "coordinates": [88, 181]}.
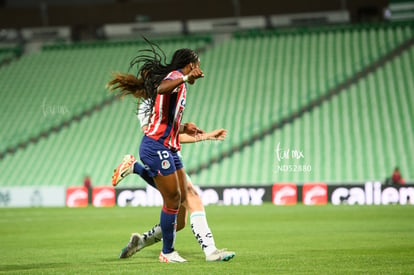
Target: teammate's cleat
{"type": "Point", "coordinates": [124, 169]}
{"type": "Point", "coordinates": [220, 255]}
{"type": "Point", "coordinates": [132, 247]}
{"type": "Point", "coordinates": [172, 257]}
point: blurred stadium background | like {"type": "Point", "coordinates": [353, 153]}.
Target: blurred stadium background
{"type": "Point", "coordinates": [330, 81]}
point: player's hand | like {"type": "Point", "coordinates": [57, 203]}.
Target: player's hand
{"type": "Point", "coordinates": [192, 129]}
{"type": "Point", "coordinates": [218, 134]}
{"type": "Point", "coordinates": [194, 74]}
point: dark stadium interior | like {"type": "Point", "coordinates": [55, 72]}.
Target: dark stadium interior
{"type": "Point", "coordinates": [31, 13]}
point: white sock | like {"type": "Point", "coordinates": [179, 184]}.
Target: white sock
{"type": "Point", "coordinates": [152, 236]}
{"type": "Point", "coordinates": [202, 232]}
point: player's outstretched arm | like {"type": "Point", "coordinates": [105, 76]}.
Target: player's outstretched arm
{"type": "Point", "coordinates": [191, 129]}
{"type": "Point", "coordinates": [167, 86]}
{"type": "Point", "coordinates": [218, 134]}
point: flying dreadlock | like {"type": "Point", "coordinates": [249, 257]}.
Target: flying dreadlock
{"type": "Point", "coordinates": [152, 68]}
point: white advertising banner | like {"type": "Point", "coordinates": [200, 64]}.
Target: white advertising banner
{"type": "Point", "coordinates": [51, 196]}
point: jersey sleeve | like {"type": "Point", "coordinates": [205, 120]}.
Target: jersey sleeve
{"type": "Point", "coordinates": [172, 76]}
{"type": "Point", "coordinates": [143, 115]}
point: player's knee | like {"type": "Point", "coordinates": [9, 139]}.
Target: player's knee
{"type": "Point", "coordinates": [193, 195]}
{"type": "Point", "coordinates": [173, 200]}
{"type": "Point", "coordinates": [194, 202]}
{"type": "Point", "coordinates": [191, 191]}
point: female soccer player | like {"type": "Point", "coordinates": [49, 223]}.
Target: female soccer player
{"type": "Point", "coordinates": [164, 86]}
{"type": "Point", "coordinates": [193, 205]}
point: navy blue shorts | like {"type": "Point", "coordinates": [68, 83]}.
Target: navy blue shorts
{"type": "Point", "coordinates": [158, 159]}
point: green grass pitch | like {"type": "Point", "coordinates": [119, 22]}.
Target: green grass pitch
{"type": "Point", "coordinates": [267, 239]}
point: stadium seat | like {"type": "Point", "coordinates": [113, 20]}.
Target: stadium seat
{"type": "Point", "coordinates": [251, 82]}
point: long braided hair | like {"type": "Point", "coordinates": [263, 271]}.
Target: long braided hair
{"type": "Point", "coordinates": [152, 68]}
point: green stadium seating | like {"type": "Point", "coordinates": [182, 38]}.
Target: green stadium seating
{"type": "Point", "coordinates": [251, 81]}
{"type": "Point", "coordinates": [359, 135]}
{"type": "Point", "coordinates": [259, 79]}
{"type": "Point", "coordinates": [59, 83]}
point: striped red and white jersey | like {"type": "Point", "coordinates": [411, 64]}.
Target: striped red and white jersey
{"type": "Point", "coordinates": [165, 120]}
